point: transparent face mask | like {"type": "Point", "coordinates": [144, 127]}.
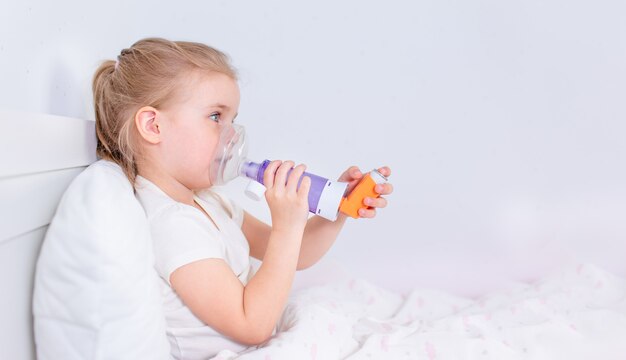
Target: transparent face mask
{"type": "Point", "coordinates": [231, 152]}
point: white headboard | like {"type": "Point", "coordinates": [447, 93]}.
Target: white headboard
{"type": "Point", "coordinates": [39, 156]}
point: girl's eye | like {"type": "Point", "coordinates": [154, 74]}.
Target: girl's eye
{"type": "Point", "coordinates": [215, 117]}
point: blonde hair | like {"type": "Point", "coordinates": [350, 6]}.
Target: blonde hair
{"type": "Point", "coordinates": [146, 74]}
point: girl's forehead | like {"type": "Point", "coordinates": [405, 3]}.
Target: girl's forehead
{"type": "Point", "coordinates": [206, 89]}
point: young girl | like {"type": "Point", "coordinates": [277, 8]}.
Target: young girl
{"type": "Point", "coordinates": [160, 109]}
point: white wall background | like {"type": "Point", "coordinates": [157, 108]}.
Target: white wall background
{"type": "Point", "coordinates": [503, 121]}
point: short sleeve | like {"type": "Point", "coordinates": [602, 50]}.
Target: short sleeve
{"type": "Point", "coordinates": [181, 236]}
{"type": "Point", "coordinates": [234, 210]}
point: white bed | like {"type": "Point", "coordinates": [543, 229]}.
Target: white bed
{"type": "Point", "coordinates": [39, 157]}
{"type": "Point", "coordinates": [576, 313]}
{"type": "Point", "coordinates": [579, 312]}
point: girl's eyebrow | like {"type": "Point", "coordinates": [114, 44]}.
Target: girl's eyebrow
{"type": "Point", "coordinates": [221, 106]}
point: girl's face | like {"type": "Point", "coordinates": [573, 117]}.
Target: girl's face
{"type": "Point", "coordinates": [207, 103]}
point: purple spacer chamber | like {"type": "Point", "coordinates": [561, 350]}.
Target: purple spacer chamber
{"type": "Point", "coordinates": [255, 172]}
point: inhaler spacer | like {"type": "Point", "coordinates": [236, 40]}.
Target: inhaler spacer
{"type": "Point", "coordinates": [326, 197]}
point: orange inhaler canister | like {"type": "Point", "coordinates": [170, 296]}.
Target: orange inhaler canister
{"type": "Point", "coordinates": [351, 204]}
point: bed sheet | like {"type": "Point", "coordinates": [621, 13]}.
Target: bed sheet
{"type": "Point", "coordinates": [578, 312]}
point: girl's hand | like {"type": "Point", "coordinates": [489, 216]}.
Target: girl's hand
{"type": "Point", "coordinates": [289, 205]}
{"type": "Point", "coordinates": [352, 177]}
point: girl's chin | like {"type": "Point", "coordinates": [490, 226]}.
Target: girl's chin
{"type": "Point", "coordinates": [203, 184]}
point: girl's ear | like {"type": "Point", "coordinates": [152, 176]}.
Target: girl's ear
{"type": "Point", "coordinates": [147, 123]}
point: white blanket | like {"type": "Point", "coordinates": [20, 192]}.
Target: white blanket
{"type": "Point", "coordinates": [578, 313]}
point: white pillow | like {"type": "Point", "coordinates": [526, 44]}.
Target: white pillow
{"type": "Point", "coordinates": [96, 293]}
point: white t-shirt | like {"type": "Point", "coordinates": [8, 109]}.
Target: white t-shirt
{"type": "Point", "coordinates": [182, 234]}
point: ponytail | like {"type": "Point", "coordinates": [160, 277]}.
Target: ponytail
{"type": "Point", "coordinates": [114, 140]}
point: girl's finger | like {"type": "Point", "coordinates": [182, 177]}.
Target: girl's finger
{"type": "Point", "coordinates": [367, 213]}
{"type": "Point", "coordinates": [354, 172]}
{"type": "Point", "coordinates": [379, 202]}
{"type": "Point", "coordinates": [384, 189]}
{"type": "Point", "coordinates": [385, 170]}
{"type": "Point", "coordinates": [270, 171]}
{"type": "Point", "coordinates": [294, 178]}
{"type": "Point", "coordinates": [303, 190]}
{"type": "Point", "coordinates": [280, 179]}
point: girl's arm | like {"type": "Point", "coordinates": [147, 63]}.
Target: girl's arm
{"type": "Point", "coordinates": [319, 234]}
{"type": "Point", "coordinates": [248, 314]}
